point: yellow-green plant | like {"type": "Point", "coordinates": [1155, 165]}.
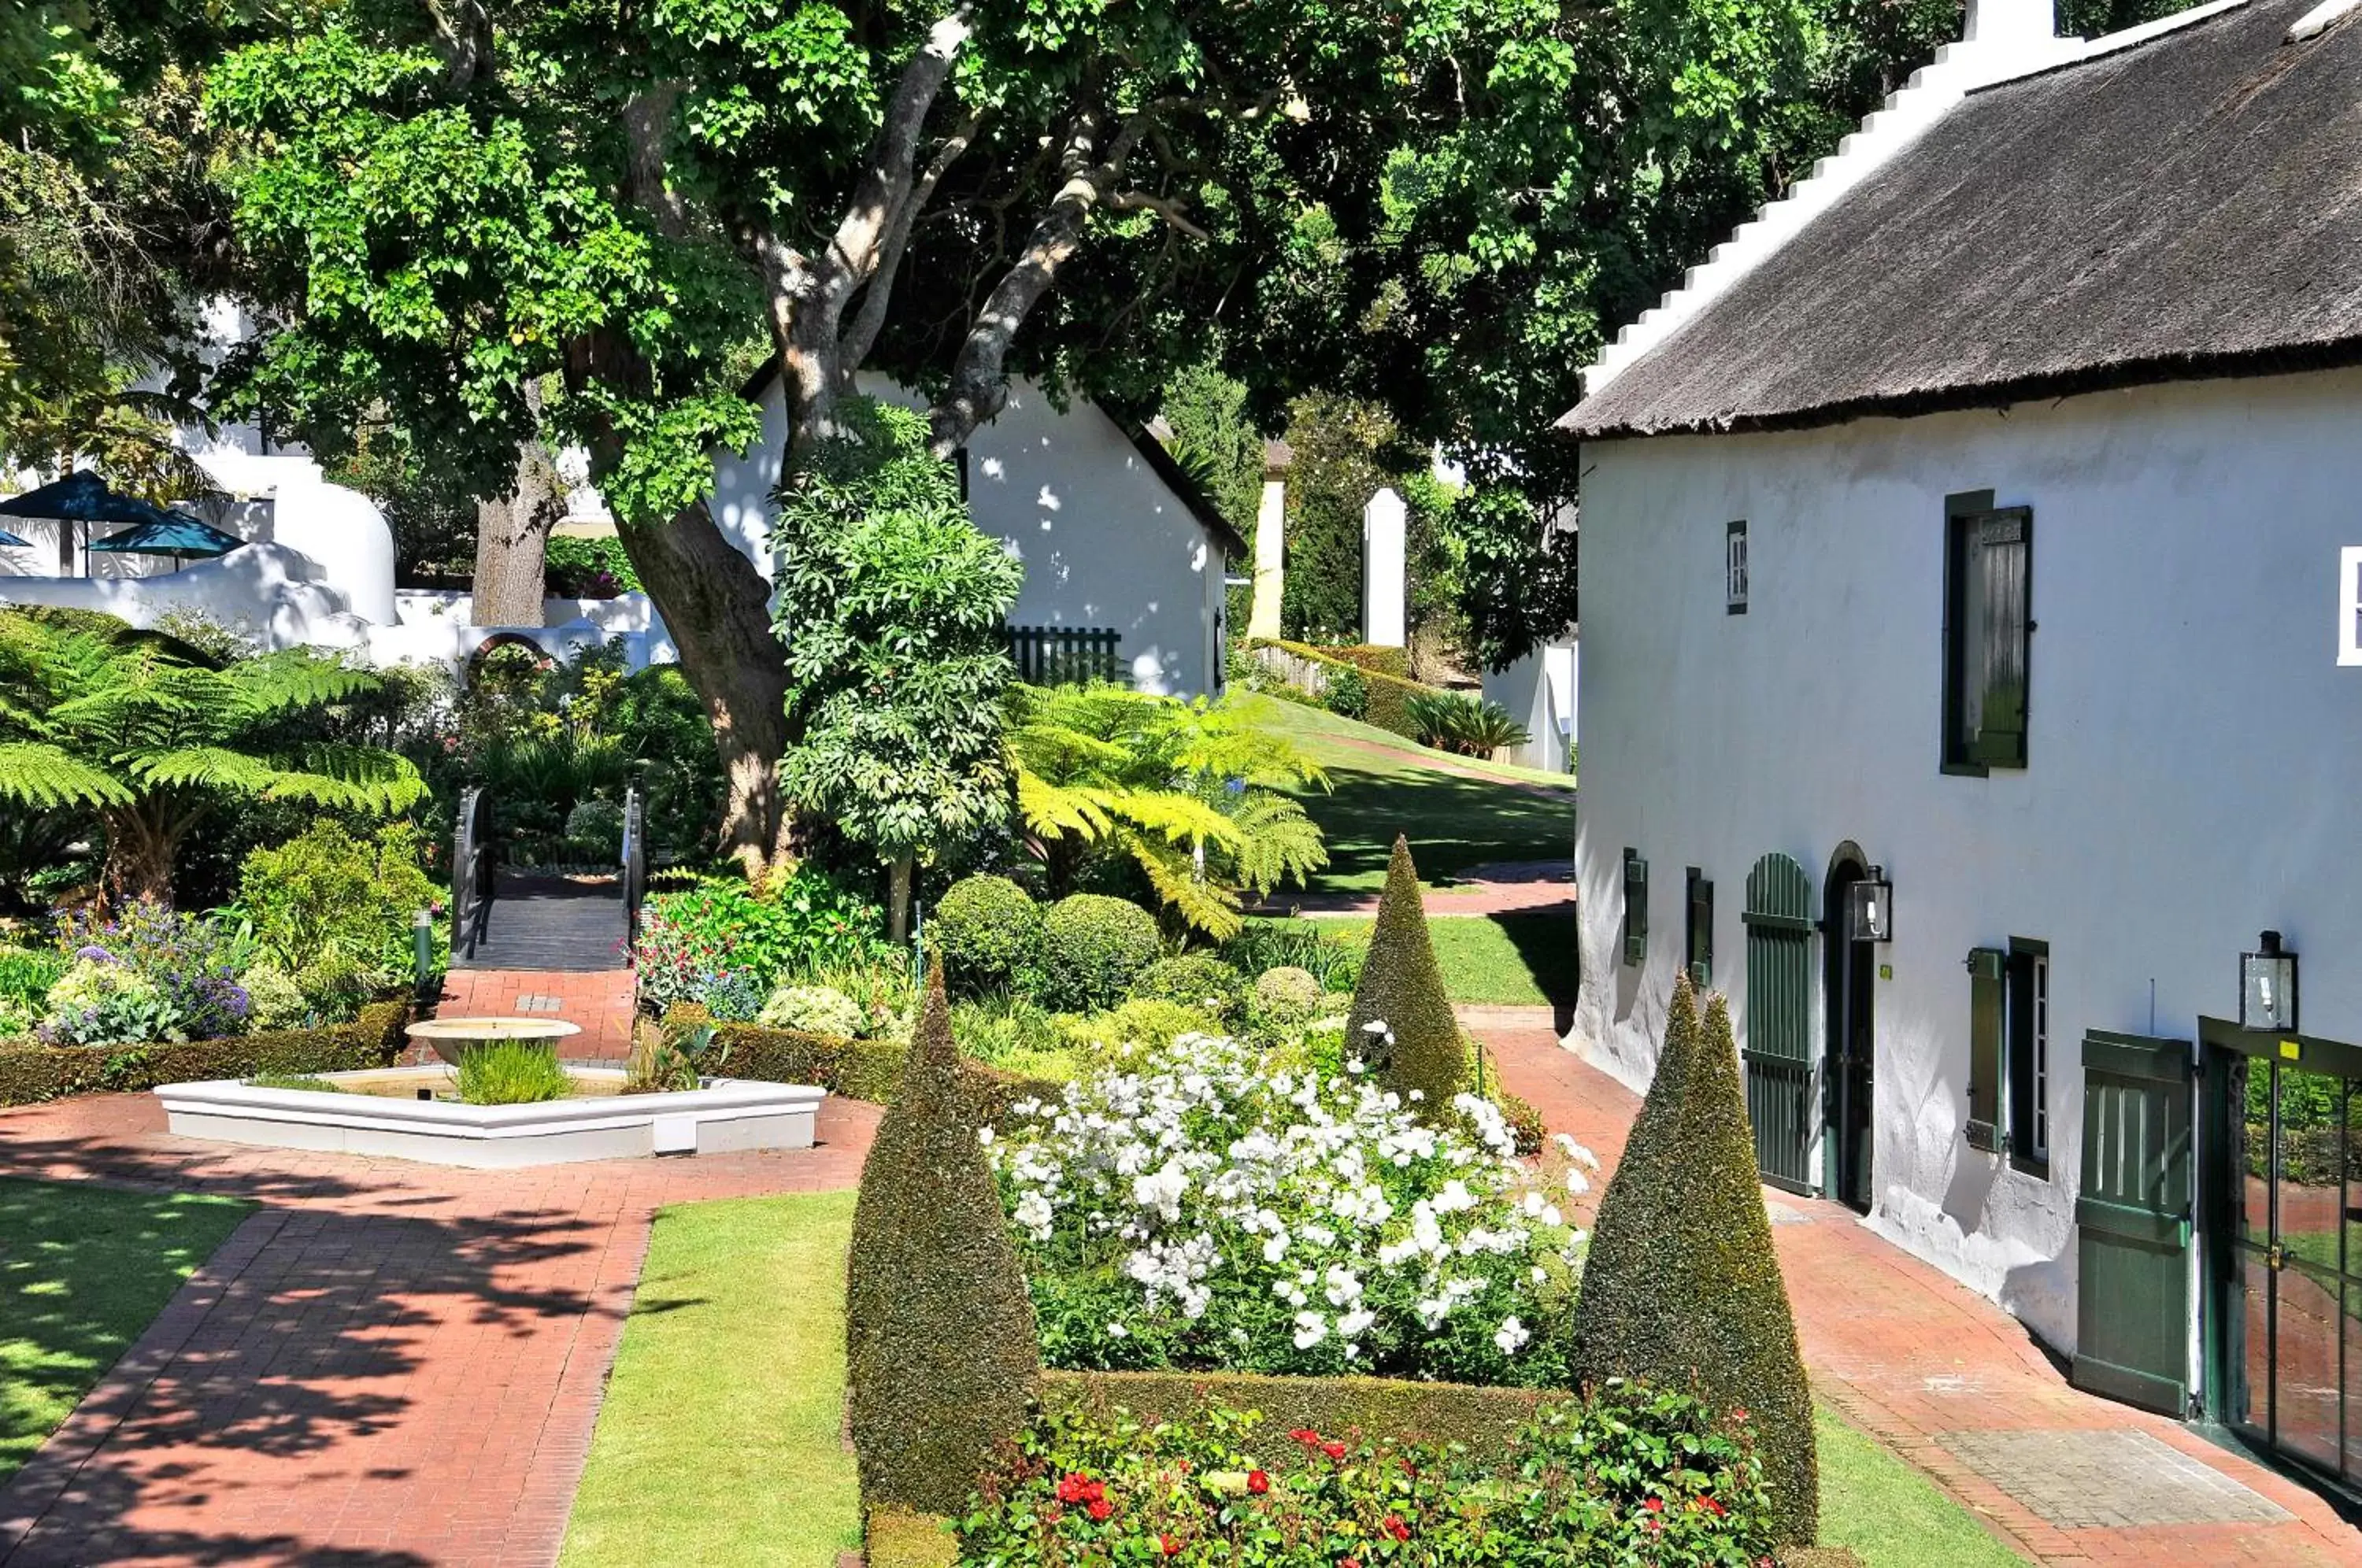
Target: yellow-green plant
{"type": "Point", "coordinates": [1188, 791]}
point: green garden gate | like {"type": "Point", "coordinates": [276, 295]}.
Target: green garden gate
{"type": "Point", "coordinates": [2131, 1219]}
{"type": "Point", "coordinates": [1779, 1050]}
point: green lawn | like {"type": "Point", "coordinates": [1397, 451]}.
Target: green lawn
{"type": "Point", "coordinates": [84, 1270]}
{"type": "Point", "coordinates": [1891, 1514]}
{"type": "Point", "coordinates": [719, 1441]}
{"type": "Point", "coordinates": [1453, 821]}
{"type": "Point", "coordinates": [1526, 960]}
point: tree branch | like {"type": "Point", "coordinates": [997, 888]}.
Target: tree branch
{"type": "Point", "coordinates": [647, 130]}
{"type": "Point", "coordinates": [1169, 208]}
{"type": "Point", "coordinates": [884, 187]}
{"type": "Point", "coordinates": [879, 292]}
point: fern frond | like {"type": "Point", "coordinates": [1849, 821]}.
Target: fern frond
{"type": "Point", "coordinates": [1172, 872]}
{"type": "Point", "coordinates": [1051, 811]}
{"type": "Point", "coordinates": [202, 768]}
{"type": "Point", "coordinates": [358, 778]}
{"type": "Point", "coordinates": [45, 777]}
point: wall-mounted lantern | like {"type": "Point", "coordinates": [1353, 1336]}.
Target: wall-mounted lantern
{"type": "Point", "coordinates": [2268, 987]}
{"type": "Point", "coordinates": [1870, 908]}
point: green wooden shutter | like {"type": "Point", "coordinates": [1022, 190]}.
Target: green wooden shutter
{"type": "Point", "coordinates": [1701, 929]}
{"type": "Point", "coordinates": [1987, 966]}
{"type": "Point", "coordinates": [2133, 1216]}
{"type": "Point", "coordinates": [1779, 1047]}
{"type": "Point", "coordinates": [1999, 552]}
{"type": "Point", "coordinates": [1636, 908]}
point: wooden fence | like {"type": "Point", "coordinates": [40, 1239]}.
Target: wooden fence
{"type": "Point", "coordinates": [1064, 655]}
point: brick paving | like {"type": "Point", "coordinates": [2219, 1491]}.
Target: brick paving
{"type": "Point", "coordinates": [1920, 1362]}
{"type": "Point", "coordinates": [387, 1365]}
{"type": "Point", "coordinates": [599, 1000]}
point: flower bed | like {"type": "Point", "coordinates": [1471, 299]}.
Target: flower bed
{"type": "Point", "coordinates": [35, 1073]}
{"type": "Point", "coordinates": [1213, 1207]}
{"type": "Point", "coordinates": [1647, 1477]}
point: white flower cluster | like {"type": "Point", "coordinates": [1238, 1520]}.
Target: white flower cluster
{"type": "Point", "coordinates": [1281, 1219]}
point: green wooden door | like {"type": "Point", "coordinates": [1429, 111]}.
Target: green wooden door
{"type": "Point", "coordinates": [2133, 1216]}
{"type": "Point", "coordinates": [1779, 1048]}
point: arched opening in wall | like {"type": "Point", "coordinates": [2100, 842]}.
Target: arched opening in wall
{"type": "Point", "coordinates": [1849, 1012]}
{"type": "Point", "coordinates": [506, 661]}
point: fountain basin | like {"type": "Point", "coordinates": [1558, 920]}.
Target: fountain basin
{"type": "Point", "coordinates": [722, 1116]}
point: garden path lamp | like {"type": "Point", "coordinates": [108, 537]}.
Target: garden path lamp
{"type": "Point", "coordinates": [2268, 987]}
{"type": "Point", "coordinates": [1870, 908]}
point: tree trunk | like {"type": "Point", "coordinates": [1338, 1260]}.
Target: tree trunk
{"type": "Point", "coordinates": [717, 607]}
{"type": "Point", "coordinates": [140, 848]}
{"type": "Point", "coordinates": [513, 542]}
{"type": "Point", "coordinates": [898, 899]}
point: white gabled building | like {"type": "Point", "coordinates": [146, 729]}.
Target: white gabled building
{"type": "Point", "coordinates": [1981, 538]}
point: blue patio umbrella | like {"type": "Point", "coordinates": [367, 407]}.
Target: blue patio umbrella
{"type": "Point", "coordinates": [10, 542]}
{"type": "Point", "coordinates": [178, 535]}
{"type": "Point", "coordinates": [81, 497]}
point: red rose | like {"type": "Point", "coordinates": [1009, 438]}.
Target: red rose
{"type": "Point", "coordinates": [1395, 1528]}
{"type": "Point", "coordinates": [1334, 1450]}
{"type": "Point", "coordinates": [1075, 1489]}
{"type": "Point", "coordinates": [1171, 1544]}
{"type": "Point", "coordinates": [1258, 1482]}
{"type": "Point", "coordinates": [1100, 1508]}
{"type": "Point", "coordinates": [1306, 1435]}
{"type": "Point", "coordinates": [1349, 1562]}
{"type": "Point", "coordinates": [1655, 1505]}
{"type": "Point", "coordinates": [1710, 1506]}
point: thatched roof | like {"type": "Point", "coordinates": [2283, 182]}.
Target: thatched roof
{"type": "Point", "coordinates": [2186, 207]}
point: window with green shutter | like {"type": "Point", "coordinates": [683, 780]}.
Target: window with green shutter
{"type": "Point", "coordinates": [1636, 908]}
{"type": "Point", "coordinates": [1700, 947]}
{"type": "Point", "coordinates": [1988, 632]}
{"type": "Point", "coordinates": [2028, 1133]}
{"type": "Point", "coordinates": [1988, 988]}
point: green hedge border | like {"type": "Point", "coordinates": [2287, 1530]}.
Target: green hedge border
{"type": "Point", "coordinates": [858, 1069]}
{"type": "Point", "coordinates": [1390, 693]}
{"type": "Point", "coordinates": [32, 1073]}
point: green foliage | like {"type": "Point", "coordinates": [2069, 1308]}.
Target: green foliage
{"type": "Point", "coordinates": [1189, 795]}
{"type": "Point", "coordinates": [988, 931]}
{"type": "Point", "coordinates": [27, 975]}
{"type": "Point", "coordinates": [311, 1083]}
{"type": "Point", "coordinates": [1650, 1477]}
{"type": "Point", "coordinates": [27, 1077]}
{"type": "Point", "coordinates": [1201, 980]}
{"type": "Point", "coordinates": [1525, 1121]}
{"type": "Point", "coordinates": [719, 927]}
{"type": "Point", "coordinates": [1416, 1045]}
{"type": "Point", "coordinates": [149, 737]}
{"type": "Point", "coordinates": [327, 895]}
{"type": "Point", "coordinates": [1216, 441]}
{"type": "Point", "coordinates": [512, 1072]}
{"type": "Point", "coordinates": [1093, 948]}
{"type": "Point", "coordinates": [940, 1337]}
{"type": "Point", "coordinates": [588, 569]}
{"type": "Point", "coordinates": [1286, 995]}
{"type": "Point", "coordinates": [1335, 964]}
{"type": "Point", "coordinates": [665, 1060]}
{"type": "Point", "coordinates": [1684, 1288]}
{"type": "Point", "coordinates": [1389, 696]}
{"type": "Point", "coordinates": [1346, 692]}
{"type": "Point", "coordinates": [814, 1010]}
{"type": "Point", "coordinates": [1472, 726]}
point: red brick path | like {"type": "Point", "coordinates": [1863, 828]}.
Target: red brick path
{"type": "Point", "coordinates": [599, 1000]}
{"type": "Point", "coordinates": [1907, 1354]}
{"type": "Point", "coordinates": [388, 1366]}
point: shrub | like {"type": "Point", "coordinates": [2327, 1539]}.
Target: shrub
{"type": "Point", "coordinates": [596, 828]}
{"type": "Point", "coordinates": [1350, 1237]}
{"type": "Point", "coordinates": [722, 927]}
{"type": "Point", "coordinates": [1144, 1021]}
{"type": "Point", "coordinates": [1472, 726]}
{"type": "Point", "coordinates": [274, 1000]}
{"type": "Point", "coordinates": [1287, 995]}
{"type": "Point", "coordinates": [191, 962]}
{"type": "Point", "coordinates": [1196, 980]}
{"type": "Point", "coordinates": [310, 1082]}
{"type": "Point", "coordinates": [820, 1010]}
{"type": "Point", "coordinates": [1684, 1288]}
{"type": "Point", "coordinates": [1402, 1023]}
{"type": "Point", "coordinates": [1093, 948]}
{"type": "Point", "coordinates": [940, 1343]}
{"type": "Point", "coordinates": [588, 569]}
{"type": "Point", "coordinates": [1650, 1477]}
{"type": "Point", "coordinates": [732, 997]}
{"type": "Point", "coordinates": [27, 1077]}
{"type": "Point", "coordinates": [100, 1002]}
{"type": "Point", "coordinates": [1524, 1122]}
{"type": "Point", "coordinates": [988, 931]}
{"type": "Point", "coordinates": [510, 1072]}
{"type": "Point", "coordinates": [1346, 693]}
{"type": "Point", "coordinates": [26, 976]}
{"type": "Point", "coordinates": [1298, 944]}
{"type": "Point", "coordinates": [325, 894]}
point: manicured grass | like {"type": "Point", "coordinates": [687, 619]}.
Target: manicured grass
{"type": "Point", "coordinates": [1889, 1513]}
{"type": "Point", "coordinates": [1523, 960]}
{"type": "Point", "coordinates": [83, 1271]}
{"type": "Point", "coordinates": [1453, 821]}
{"type": "Point", "coordinates": [720, 1441]}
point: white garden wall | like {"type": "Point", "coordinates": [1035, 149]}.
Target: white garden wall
{"type": "Point", "coordinates": [2195, 750]}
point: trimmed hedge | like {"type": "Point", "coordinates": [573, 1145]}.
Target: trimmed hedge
{"type": "Point", "coordinates": [1484, 1421]}
{"type": "Point", "coordinates": [31, 1074]}
{"type": "Point", "coordinates": [858, 1069]}
{"type": "Point", "coordinates": [1371, 659]}
{"type": "Point", "coordinates": [942, 1351]}
{"type": "Point", "coordinates": [988, 931]}
{"type": "Point", "coordinates": [1093, 948]}
{"type": "Point", "coordinates": [897, 1538]}
{"type": "Point", "coordinates": [1390, 691]}
{"type": "Point", "coordinates": [1402, 986]}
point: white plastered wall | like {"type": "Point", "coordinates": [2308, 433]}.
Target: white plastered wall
{"type": "Point", "coordinates": [2194, 746]}
{"type": "Point", "coordinates": [1104, 541]}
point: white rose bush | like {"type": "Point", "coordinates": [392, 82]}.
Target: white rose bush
{"type": "Point", "coordinates": [1209, 1206]}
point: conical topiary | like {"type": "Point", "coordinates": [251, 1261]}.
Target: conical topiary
{"type": "Point", "coordinates": [1681, 1287]}
{"type": "Point", "coordinates": [941, 1350]}
{"type": "Point", "coordinates": [1623, 1319]}
{"type": "Point", "coordinates": [1402, 987]}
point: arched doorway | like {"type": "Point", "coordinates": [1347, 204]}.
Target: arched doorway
{"type": "Point", "coordinates": [1850, 998]}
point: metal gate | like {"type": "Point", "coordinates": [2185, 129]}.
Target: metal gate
{"type": "Point", "coordinates": [2132, 1217]}
{"type": "Point", "coordinates": [1779, 1050]}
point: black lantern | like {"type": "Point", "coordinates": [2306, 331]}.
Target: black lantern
{"type": "Point", "coordinates": [2268, 987]}
{"type": "Point", "coordinates": [1870, 908]}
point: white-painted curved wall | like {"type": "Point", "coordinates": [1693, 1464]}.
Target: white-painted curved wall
{"type": "Point", "coordinates": [2195, 749]}
{"type": "Point", "coordinates": [1105, 541]}
{"type": "Point", "coordinates": [279, 594]}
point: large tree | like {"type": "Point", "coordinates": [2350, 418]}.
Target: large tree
{"type": "Point", "coordinates": [1419, 200]}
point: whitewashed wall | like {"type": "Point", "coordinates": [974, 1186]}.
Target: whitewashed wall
{"type": "Point", "coordinates": [2195, 750]}
{"type": "Point", "coordinates": [1105, 542]}
{"type": "Point", "coordinates": [1539, 690]}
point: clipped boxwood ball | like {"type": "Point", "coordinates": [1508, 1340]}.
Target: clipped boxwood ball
{"type": "Point", "coordinates": [1196, 980]}
{"type": "Point", "coordinates": [1288, 994]}
{"type": "Point", "coordinates": [1093, 948]}
{"type": "Point", "coordinates": [988, 931]}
